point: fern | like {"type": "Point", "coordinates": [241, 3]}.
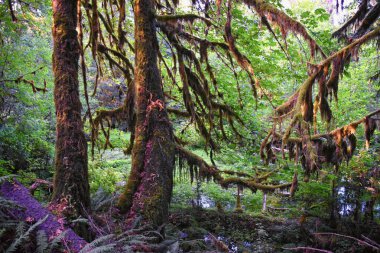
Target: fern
{"type": "Point", "coordinates": [22, 235]}
{"type": "Point", "coordinates": [102, 249]}
{"type": "Point", "coordinates": [99, 243]}
{"type": "Point", "coordinates": [80, 220]}
{"type": "Point", "coordinates": [56, 242]}
{"type": "Point", "coordinates": [9, 204]}
{"type": "Point", "coordinates": [134, 242]}
{"type": "Point", "coordinates": [20, 229]}
{"type": "Point", "coordinates": [100, 200]}
{"type": "Point", "coordinates": [8, 224]}
{"type": "Point", "coordinates": [127, 249]}
{"type": "Point", "coordinates": [42, 242]}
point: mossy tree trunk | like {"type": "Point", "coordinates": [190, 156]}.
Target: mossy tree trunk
{"type": "Point", "coordinates": [149, 187]}
{"type": "Point", "coordinates": [71, 187]}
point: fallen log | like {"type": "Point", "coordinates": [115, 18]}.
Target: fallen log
{"type": "Point", "coordinates": [34, 211]}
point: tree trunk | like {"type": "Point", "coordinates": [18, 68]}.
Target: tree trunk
{"type": "Point", "coordinates": [368, 211]}
{"type": "Point", "coordinates": [333, 203]}
{"type": "Point", "coordinates": [264, 209]}
{"type": "Point", "coordinates": [149, 187]}
{"type": "Point", "coordinates": [71, 188]}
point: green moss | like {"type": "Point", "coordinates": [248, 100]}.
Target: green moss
{"type": "Point", "coordinates": [152, 206]}
{"type": "Point", "coordinates": [126, 198]}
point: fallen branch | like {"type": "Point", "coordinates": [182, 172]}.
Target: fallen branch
{"type": "Point", "coordinates": [278, 208]}
{"type": "Point", "coordinates": [371, 241]}
{"type": "Point", "coordinates": [39, 182]}
{"type": "Point", "coordinates": [308, 248]}
{"type": "Point", "coordinates": [350, 237]}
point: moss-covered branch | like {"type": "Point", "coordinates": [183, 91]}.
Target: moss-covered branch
{"type": "Point", "coordinates": [301, 101]}
{"type": "Point", "coordinates": [183, 17]}
{"type": "Point", "coordinates": [285, 22]}
{"type": "Point", "coordinates": [354, 19]}
{"type": "Point", "coordinates": [206, 172]}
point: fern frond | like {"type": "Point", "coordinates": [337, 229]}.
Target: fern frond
{"type": "Point", "coordinates": [55, 243]}
{"type": "Point", "coordinates": [127, 249]}
{"type": "Point", "coordinates": [80, 220]}
{"type": "Point", "coordinates": [103, 249]}
{"type": "Point", "coordinates": [134, 241]}
{"type": "Point", "coordinates": [20, 229]}
{"type": "Point", "coordinates": [8, 224]}
{"type": "Point", "coordinates": [42, 242]}
{"type": "Point", "coordinates": [97, 243]}
{"type": "Point", "coordinates": [25, 235]}
{"type": "Point", "coordinates": [100, 200]}
{"type": "Point", "coordinates": [9, 204]}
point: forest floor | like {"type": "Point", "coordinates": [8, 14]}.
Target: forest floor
{"type": "Point", "coordinates": [201, 230]}
{"type": "Point", "coordinates": [196, 229]}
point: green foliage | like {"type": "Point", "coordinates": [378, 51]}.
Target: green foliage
{"type": "Point", "coordinates": [26, 123]}
{"type": "Point", "coordinates": [313, 191]}
{"type": "Point", "coordinates": [182, 193]}
{"type": "Point", "coordinates": [108, 169]}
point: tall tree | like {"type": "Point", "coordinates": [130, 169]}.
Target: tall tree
{"type": "Point", "coordinates": [149, 186]}
{"type": "Point", "coordinates": [71, 187]}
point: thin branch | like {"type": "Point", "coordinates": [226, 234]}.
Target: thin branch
{"type": "Point", "coordinates": [368, 20]}
{"type": "Point", "coordinates": [13, 16]}
{"type": "Point", "coordinates": [207, 171]}
{"type": "Point", "coordinates": [356, 17]}
{"type": "Point", "coordinates": [307, 249]}
{"type": "Point", "coordinates": [350, 237]}
{"type": "Point", "coordinates": [285, 22]}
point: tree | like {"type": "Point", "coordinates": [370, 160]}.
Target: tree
{"type": "Point", "coordinates": [150, 183]}
{"type": "Point", "coordinates": [201, 101]}
{"type": "Point", "coordinates": [71, 188]}
{"type": "Point", "coordinates": [25, 144]}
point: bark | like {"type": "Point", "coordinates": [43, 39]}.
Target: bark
{"type": "Point", "coordinates": [149, 187]}
{"type": "Point", "coordinates": [368, 211]}
{"type": "Point", "coordinates": [333, 222]}
{"type": "Point", "coordinates": [71, 176]}
{"type": "Point", "coordinates": [264, 202]}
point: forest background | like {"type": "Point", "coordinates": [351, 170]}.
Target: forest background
{"type": "Point", "coordinates": [27, 123]}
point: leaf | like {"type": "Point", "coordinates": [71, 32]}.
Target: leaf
{"type": "Point", "coordinates": [98, 243]}
{"type": "Point", "coordinates": [305, 14]}
{"type": "Point", "coordinates": [320, 11]}
{"type": "Point", "coordinates": [346, 73]}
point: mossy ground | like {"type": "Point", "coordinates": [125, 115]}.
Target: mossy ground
{"type": "Point", "coordinates": [260, 233]}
